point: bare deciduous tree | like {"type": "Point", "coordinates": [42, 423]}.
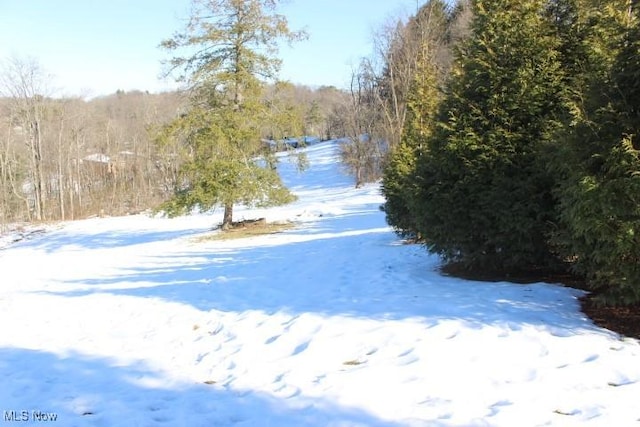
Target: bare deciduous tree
{"type": "Point", "coordinates": [24, 82]}
{"type": "Point", "coordinates": [385, 79]}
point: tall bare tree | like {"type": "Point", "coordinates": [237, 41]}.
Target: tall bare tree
{"type": "Point", "coordinates": [24, 82]}
{"type": "Point", "coordinates": [388, 75]}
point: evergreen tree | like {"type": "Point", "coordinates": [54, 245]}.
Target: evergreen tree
{"type": "Point", "coordinates": [230, 47]}
{"type": "Point", "coordinates": [399, 184]}
{"type": "Point", "coordinates": [599, 191]}
{"type": "Point", "coordinates": [485, 196]}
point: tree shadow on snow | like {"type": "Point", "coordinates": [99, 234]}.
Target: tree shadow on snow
{"type": "Point", "coordinates": [55, 241]}
{"type": "Point", "coordinates": [364, 272]}
{"type": "Point", "coordinates": [83, 390]}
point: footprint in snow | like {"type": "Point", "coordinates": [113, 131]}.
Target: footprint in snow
{"type": "Point", "coordinates": [319, 378]}
{"type": "Point", "coordinates": [452, 335]}
{"type": "Point", "coordinates": [621, 382]}
{"type": "Point", "coordinates": [289, 322]}
{"type": "Point", "coordinates": [568, 413]}
{"type": "Point", "coordinates": [495, 408]}
{"type": "Point", "coordinates": [445, 331]}
{"type": "Point", "coordinates": [154, 408]}
{"type": "Point", "coordinates": [287, 391]}
{"type": "Point", "coordinates": [300, 348]}
{"type": "Point", "coordinates": [373, 351]}
{"type": "Point", "coordinates": [201, 356]}
{"type": "Point", "coordinates": [229, 337]}
{"type": "Point", "coordinates": [408, 360]}
{"type": "Point", "coordinates": [272, 339]}
{"type": "Point", "coordinates": [215, 331]}
{"type": "Point", "coordinates": [406, 352]}
{"type": "Point", "coordinates": [228, 365]}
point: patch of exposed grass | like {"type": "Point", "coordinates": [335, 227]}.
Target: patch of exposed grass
{"type": "Point", "coordinates": [354, 362]}
{"type": "Point", "coordinates": [244, 231]}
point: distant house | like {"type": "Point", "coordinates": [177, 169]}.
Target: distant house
{"type": "Point", "coordinates": [98, 164]}
{"type": "Point", "coordinates": [289, 143]}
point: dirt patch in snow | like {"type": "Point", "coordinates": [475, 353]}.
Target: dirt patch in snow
{"type": "Point", "coordinates": [248, 228]}
{"type": "Point", "coordinates": [622, 320]}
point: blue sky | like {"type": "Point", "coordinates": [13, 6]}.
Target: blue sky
{"type": "Point", "coordinates": [94, 47]}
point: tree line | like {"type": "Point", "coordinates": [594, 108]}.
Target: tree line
{"type": "Point", "coordinates": [382, 89]}
{"type": "Point", "coordinates": [524, 157]}
{"type": "Point", "coordinates": [65, 158]}
{"type": "Point", "coordinates": [69, 158]}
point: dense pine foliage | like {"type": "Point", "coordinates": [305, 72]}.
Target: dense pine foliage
{"type": "Point", "coordinates": [399, 184]}
{"type": "Point", "coordinates": [484, 197]}
{"type": "Point", "coordinates": [531, 159]}
{"type": "Point", "coordinates": [599, 190]}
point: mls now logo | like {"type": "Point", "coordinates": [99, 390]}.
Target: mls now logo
{"type": "Point", "coordinates": [24, 415]}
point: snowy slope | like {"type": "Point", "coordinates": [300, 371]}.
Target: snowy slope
{"type": "Point", "coordinates": [134, 321]}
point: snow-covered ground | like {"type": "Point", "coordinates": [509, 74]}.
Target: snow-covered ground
{"type": "Point", "coordinates": [136, 321]}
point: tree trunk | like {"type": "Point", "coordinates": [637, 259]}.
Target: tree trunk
{"type": "Point", "coordinates": [79, 183]}
{"type": "Point", "coordinates": [41, 181]}
{"type": "Point", "coordinates": [4, 205]}
{"type": "Point", "coordinates": [36, 172]}
{"type": "Point", "coordinates": [227, 220]}
{"type": "Point", "coordinates": [60, 174]}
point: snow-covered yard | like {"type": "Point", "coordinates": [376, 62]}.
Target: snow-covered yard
{"type": "Point", "coordinates": [137, 321]}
